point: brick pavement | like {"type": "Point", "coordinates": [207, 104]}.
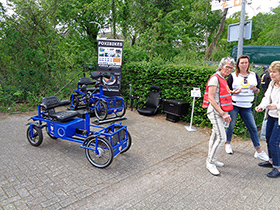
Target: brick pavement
{"type": "Point", "coordinates": [164, 169]}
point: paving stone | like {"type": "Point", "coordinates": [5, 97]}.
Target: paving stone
{"type": "Point", "coordinates": [164, 169]}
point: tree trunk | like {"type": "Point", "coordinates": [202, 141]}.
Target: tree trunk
{"type": "Point", "coordinates": [214, 43]}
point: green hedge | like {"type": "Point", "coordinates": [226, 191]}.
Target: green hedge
{"type": "Point", "coordinates": [176, 82]}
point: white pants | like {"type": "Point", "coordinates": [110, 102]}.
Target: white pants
{"type": "Point", "coordinates": [218, 136]}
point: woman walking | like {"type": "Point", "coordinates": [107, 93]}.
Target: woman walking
{"type": "Point", "coordinates": [217, 100]}
{"type": "Point", "coordinates": [271, 101]}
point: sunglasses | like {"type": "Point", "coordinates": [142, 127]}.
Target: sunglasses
{"type": "Point", "coordinates": [245, 80]}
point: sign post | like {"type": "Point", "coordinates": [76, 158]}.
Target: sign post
{"type": "Point", "coordinates": [194, 93]}
{"type": "Point", "coordinates": [241, 30]}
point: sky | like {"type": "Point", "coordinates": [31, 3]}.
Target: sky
{"type": "Point", "coordinates": [253, 9]}
{"type": "Point", "coordinates": [256, 7]}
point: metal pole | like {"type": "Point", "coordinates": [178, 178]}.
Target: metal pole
{"type": "Point", "coordinates": [241, 29]}
{"type": "Point", "coordinates": [190, 128]}
{"type": "Point", "coordinates": [192, 111]}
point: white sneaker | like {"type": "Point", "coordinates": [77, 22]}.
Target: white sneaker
{"type": "Point", "coordinates": [212, 169]}
{"type": "Point", "coordinates": [262, 138]}
{"type": "Point", "coordinates": [261, 156]}
{"type": "Point", "coordinates": [219, 164]}
{"type": "Point", "coordinates": [229, 149]}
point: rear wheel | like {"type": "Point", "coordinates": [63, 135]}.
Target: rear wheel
{"type": "Point", "coordinates": [101, 109]}
{"type": "Point", "coordinates": [121, 113]}
{"type": "Point", "coordinates": [128, 143]}
{"type": "Point", "coordinates": [34, 135]}
{"type": "Point", "coordinates": [50, 135]}
{"type": "Point", "coordinates": [100, 153]}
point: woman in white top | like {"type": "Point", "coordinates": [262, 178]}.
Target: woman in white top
{"type": "Point", "coordinates": [271, 101]}
{"type": "Point", "coordinates": [245, 84]}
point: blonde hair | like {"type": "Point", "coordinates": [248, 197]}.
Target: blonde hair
{"type": "Point", "coordinates": [275, 65]}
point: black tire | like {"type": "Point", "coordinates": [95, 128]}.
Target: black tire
{"type": "Point", "coordinates": [101, 109]}
{"type": "Point", "coordinates": [121, 113]}
{"type": "Point", "coordinates": [129, 142]}
{"type": "Point", "coordinates": [105, 156]}
{"type": "Point", "coordinates": [37, 138]}
{"type": "Point", "coordinates": [47, 130]}
{"type": "Point", "coordinates": [74, 101]}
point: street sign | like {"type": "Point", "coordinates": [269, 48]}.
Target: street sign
{"type": "Point", "coordinates": [222, 4]}
{"type": "Point", "coordinates": [233, 31]}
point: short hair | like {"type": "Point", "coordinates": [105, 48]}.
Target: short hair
{"type": "Point", "coordinates": [275, 65]}
{"type": "Point", "coordinates": [224, 61]}
{"type": "Point", "coordinates": [237, 70]}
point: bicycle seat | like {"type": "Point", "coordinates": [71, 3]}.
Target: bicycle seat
{"type": "Point", "coordinates": [50, 103]}
{"type": "Point", "coordinates": [85, 81]}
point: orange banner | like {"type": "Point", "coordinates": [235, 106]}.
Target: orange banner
{"type": "Point", "coordinates": [237, 2]}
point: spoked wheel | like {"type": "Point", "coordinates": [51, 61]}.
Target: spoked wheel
{"type": "Point", "coordinates": [36, 138]}
{"type": "Point", "coordinates": [101, 153]}
{"type": "Point", "coordinates": [50, 135]}
{"type": "Point", "coordinates": [128, 143]}
{"type": "Point", "coordinates": [121, 113]}
{"type": "Point", "coordinates": [101, 109]}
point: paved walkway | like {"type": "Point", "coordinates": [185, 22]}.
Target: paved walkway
{"type": "Point", "coordinates": [164, 169]}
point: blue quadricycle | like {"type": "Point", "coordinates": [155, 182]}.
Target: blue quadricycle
{"type": "Point", "coordinates": [101, 104]}
{"type": "Point", "coordinates": [101, 144]}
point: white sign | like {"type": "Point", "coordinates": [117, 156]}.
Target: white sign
{"type": "Point", "coordinates": [195, 92]}
{"type": "Point", "coordinates": [233, 31]}
{"type": "Point", "coordinates": [222, 4]}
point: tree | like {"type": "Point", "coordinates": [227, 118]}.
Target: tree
{"type": "Point", "coordinates": [217, 37]}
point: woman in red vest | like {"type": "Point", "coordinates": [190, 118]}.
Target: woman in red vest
{"type": "Point", "coordinates": [217, 100]}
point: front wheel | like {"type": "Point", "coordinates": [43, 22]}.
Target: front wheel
{"type": "Point", "coordinates": [100, 153]}
{"type": "Point", "coordinates": [101, 109]}
{"type": "Point", "coordinates": [34, 135]}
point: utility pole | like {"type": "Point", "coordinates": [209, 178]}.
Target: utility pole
{"type": "Point", "coordinates": [241, 29]}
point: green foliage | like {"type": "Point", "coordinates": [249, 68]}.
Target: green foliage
{"type": "Point", "coordinates": [44, 44]}
{"type": "Point", "coordinates": [176, 82]}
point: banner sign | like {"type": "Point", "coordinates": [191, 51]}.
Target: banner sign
{"type": "Point", "coordinates": [222, 4]}
{"type": "Point", "coordinates": [109, 60]}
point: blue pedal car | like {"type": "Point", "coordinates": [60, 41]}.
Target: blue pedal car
{"type": "Point", "coordinates": [101, 104]}
{"type": "Point", "coordinates": [101, 144]}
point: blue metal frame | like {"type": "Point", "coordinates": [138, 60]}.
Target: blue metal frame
{"type": "Point", "coordinates": [114, 103]}
{"type": "Point", "coordinates": [68, 131]}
